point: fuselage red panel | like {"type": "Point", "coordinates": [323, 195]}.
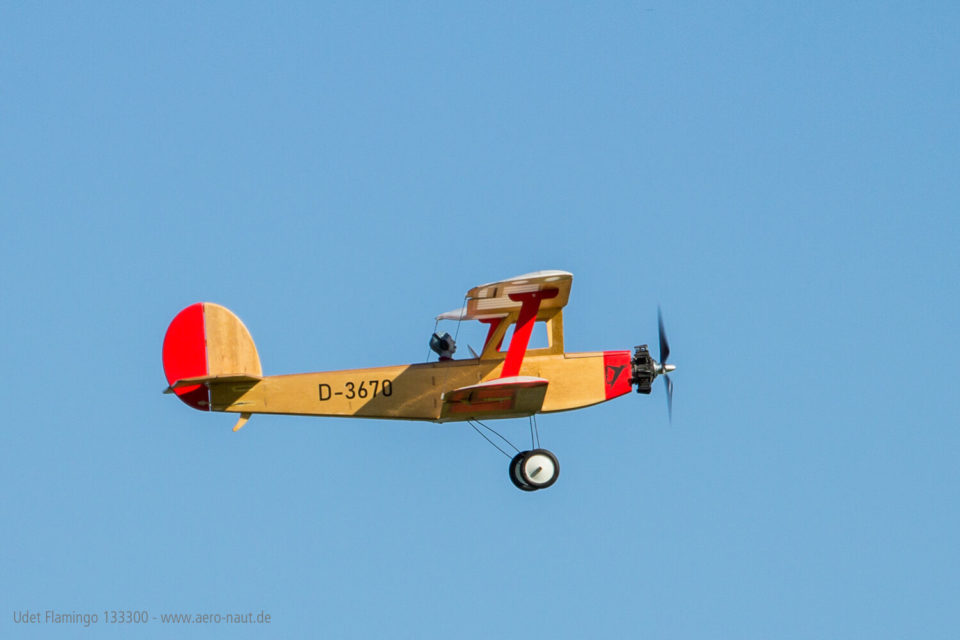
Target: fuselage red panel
{"type": "Point", "coordinates": [616, 373]}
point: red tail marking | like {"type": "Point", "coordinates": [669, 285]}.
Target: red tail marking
{"type": "Point", "coordinates": [530, 305]}
{"type": "Point", "coordinates": [185, 355]}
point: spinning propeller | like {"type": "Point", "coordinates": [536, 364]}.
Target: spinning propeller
{"type": "Point", "coordinates": [664, 368]}
{"type": "Point", "coordinates": [645, 369]}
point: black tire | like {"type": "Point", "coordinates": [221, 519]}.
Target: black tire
{"type": "Point", "coordinates": [515, 472]}
{"type": "Point", "coordinates": [521, 471]}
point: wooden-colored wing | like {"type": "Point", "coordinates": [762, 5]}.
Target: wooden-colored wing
{"type": "Point", "coordinates": [499, 398]}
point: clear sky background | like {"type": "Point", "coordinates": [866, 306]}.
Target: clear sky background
{"type": "Point", "coordinates": [783, 181]}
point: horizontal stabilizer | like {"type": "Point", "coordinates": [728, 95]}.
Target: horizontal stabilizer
{"type": "Point", "coordinates": [188, 382]}
{"type": "Point", "coordinates": [499, 398]}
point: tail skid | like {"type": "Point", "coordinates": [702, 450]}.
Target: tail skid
{"type": "Point", "coordinates": [242, 421]}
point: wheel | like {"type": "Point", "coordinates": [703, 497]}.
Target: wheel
{"type": "Point", "coordinates": [539, 468]}
{"type": "Point", "coordinates": [515, 473]}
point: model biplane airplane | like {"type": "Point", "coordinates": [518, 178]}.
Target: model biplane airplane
{"type": "Point", "coordinates": [211, 364]}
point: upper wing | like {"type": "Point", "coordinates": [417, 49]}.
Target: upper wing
{"type": "Point", "coordinates": [498, 299]}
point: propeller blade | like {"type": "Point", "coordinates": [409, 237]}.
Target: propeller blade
{"type": "Point", "coordinates": [667, 381]}
{"type": "Point", "coordinates": [664, 345]}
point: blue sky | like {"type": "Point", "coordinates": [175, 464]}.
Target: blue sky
{"type": "Point", "coordinates": [782, 180]}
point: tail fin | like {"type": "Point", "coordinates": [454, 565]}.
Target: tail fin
{"type": "Point", "coordinates": [206, 340]}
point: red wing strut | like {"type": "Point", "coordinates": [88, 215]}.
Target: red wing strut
{"type": "Point", "coordinates": [530, 305]}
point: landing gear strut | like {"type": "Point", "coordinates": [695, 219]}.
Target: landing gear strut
{"type": "Point", "coordinates": [532, 470]}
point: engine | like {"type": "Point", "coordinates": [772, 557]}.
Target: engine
{"type": "Point", "coordinates": [644, 369]}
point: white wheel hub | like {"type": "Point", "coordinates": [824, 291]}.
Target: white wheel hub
{"type": "Point", "coordinates": [539, 468]}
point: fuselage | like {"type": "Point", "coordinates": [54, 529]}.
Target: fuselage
{"type": "Point", "coordinates": [416, 391]}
